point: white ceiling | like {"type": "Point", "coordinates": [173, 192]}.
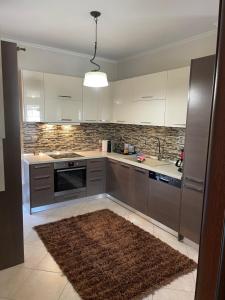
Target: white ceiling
{"type": "Point", "coordinates": [126, 27]}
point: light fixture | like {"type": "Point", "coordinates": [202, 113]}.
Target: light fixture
{"type": "Point", "coordinates": [95, 78]}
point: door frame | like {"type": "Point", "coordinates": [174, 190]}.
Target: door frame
{"type": "Point", "coordinates": [211, 267]}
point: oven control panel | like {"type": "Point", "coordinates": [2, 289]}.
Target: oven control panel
{"type": "Point", "coordinates": [70, 164]}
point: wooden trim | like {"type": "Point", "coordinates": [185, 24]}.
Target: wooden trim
{"type": "Point", "coordinates": [211, 255]}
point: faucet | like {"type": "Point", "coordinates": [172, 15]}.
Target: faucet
{"type": "Point", "coordinates": [160, 154]}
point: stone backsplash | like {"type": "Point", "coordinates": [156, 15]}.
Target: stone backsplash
{"type": "Point", "coordinates": [44, 137]}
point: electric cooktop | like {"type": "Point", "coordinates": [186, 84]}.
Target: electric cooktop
{"type": "Point", "coordinates": [64, 155]}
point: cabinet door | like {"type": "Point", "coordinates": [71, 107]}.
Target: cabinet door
{"type": "Point", "coordinates": [139, 189]}
{"type": "Point", "coordinates": [33, 96]}
{"type": "Point", "coordinates": [122, 101]}
{"type": "Point", "coordinates": [112, 186]}
{"type": "Point", "coordinates": [164, 203]}
{"type": "Point", "coordinates": [196, 145]}
{"type": "Point", "coordinates": [63, 98]}
{"type": "Point", "coordinates": [177, 97]}
{"type": "Point", "coordinates": [124, 176]}
{"type": "Point", "coordinates": [149, 112]}
{"type": "Point", "coordinates": [152, 86]}
{"type": "Point", "coordinates": [97, 104]}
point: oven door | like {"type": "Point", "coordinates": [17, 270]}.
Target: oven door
{"type": "Point", "coordinates": [70, 179]}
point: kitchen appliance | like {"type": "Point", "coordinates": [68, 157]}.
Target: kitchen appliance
{"type": "Point", "coordinates": [64, 155]}
{"type": "Point", "coordinates": [69, 176]}
{"type": "Point", "coordinates": [104, 145]}
{"type": "Point", "coordinates": [180, 161]}
{"type": "Point", "coordinates": [166, 179]}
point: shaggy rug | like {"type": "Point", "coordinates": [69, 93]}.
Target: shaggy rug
{"type": "Point", "coordinates": [105, 256]}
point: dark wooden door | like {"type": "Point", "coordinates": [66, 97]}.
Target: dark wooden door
{"type": "Point", "coordinates": [123, 180]}
{"type": "Point", "coordinates": [196, 145]}
{"type": "Point", "coordinates": [112, 187]}
{"type": "Point", "coordinates": [139, 189]}
{"type": "Point", "coordinates": [11, 219]}
{"type": "Point", "coordinates": [164, 203]}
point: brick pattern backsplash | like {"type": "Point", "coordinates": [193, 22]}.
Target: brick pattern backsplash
{"type": "Point", "coordinates": [41, 137]}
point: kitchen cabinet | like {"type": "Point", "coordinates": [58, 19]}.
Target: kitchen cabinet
{"type": "Point", "coordinates": [96, 174]}
{"type": "Point", "coordinates": [112, 186]}
{"type": "Point", "coordinates": [177, 97]}
{"type": "Point", "coordinates": [196, 146]}
{"type": "Point", "coordinates": [33, 96]}
{"type": "Point", "coordinates": [122, 92]}
{"type": "Point", "coordinates": [63, 98]}
{"type": "Point", "coordinates": [164, 203]}
{"type": "Point", "coordinates": [124, 183]}
{"type": "Point", "coordinates": [139, 189]}
{"type": "Point", "coordinates": [97, 104]}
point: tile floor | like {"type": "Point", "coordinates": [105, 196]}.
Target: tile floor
{"type": "Point", "coordinates": [39, 278]}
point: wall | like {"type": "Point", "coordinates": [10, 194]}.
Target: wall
{"type": "Point", "coordinates": [51, 60]}
{"type": "Point", "coordinates": [44, 138]}
{"type": "Point", "coordinates": [169, 57]}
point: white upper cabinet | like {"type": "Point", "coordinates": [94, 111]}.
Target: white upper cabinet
{"type": "Point", "coordinates": [148, 87]}
{"type": "Point", "coordinates": [63, 98]}
{"type": "Point", "coordinates": [97, 104]}
{"type": "Point", "coordinates": [122, 92]}
{"type": "Point", "coordinates": [177, 97]}
{"type": "Point", "coordinates": [33, 96]}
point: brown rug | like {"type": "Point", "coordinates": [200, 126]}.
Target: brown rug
{"type": "Point", "coordinates": [105, 256]}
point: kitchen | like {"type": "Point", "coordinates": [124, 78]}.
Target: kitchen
{"type": "Point", "coordinates": [137, 146]}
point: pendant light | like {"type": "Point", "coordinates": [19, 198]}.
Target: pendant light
{"type": "Point", "coordinates": [95, 78]}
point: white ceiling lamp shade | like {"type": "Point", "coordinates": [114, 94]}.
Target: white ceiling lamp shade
{"type": "Point", "coordinates": [95, 78]}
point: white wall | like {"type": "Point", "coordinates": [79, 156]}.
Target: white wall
{"type": "Point", "coordinates": [169, 57]}
{"type": "Point", "coordinates": [57, 61]}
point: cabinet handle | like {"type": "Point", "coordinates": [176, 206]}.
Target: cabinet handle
{"type": "Point", "coordinates": [96, 179]}
{"type": "Point", "coordinates": [41, 188]}
{"type": "Point", "coordinates": [124, 166]}
{"type": "Point", "coordinates": [146, 122]}
{"type": "Point", "coordinates": [164, 180]}
{"type": "Point", "coordinates": [196, 180]}
{"type": "Point", "coordinates": [68, 120]}
{"type": "Point", "coordinates": [147, 97]}
{"type": "Point", "coordinates": [194, 188]}
{"type": "Point", "coordinates": [41, 177]}
{"type": "Point", "coordinates": [120, 121]}
{"type": "Point", "coordinates": [180, 124]}
{"type": "Point", "coordinates": [42, 167]}
{"type": "Point", "coordinates": [140, 171]}
{"type": "Point", "coordinates": [64, 96]}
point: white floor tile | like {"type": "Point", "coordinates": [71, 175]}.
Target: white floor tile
{"type": "Point", "coordinates": [183, 283]}
{"type": "Point", "coordinates": [167, 294]}
{"type": "Point", "coordinates": [11, 279]}
{"type": "Point", "coordinates": [34, 254]}
{"type": "Point", "coordinates": [48, 264]}
{"type": "Point", "coordinates": [69, 293]}
{"type": "Point", "coordinates": [41, 285]}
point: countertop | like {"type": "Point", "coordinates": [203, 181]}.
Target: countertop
{"type": "Point", "coordinates": [164, 167]}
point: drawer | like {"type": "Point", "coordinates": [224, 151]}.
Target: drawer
{"type": "Point", "coordinates": [41, 170]}
{"type": "Point", "coordinates": [41, 180]}
{"type": "Point", "coordinates": [94, 173]}
{"type": "Point", "coordinates": [98, 163]}
{"type": "Point", "coordinates": [70, 196]}
{"type": "Point", "coordinates": [95, 186]}
{"type": "Point", "coordinates": [42, 195]}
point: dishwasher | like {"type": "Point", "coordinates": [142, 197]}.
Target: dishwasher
{"type": "Point", "coordinates": [164, 199]}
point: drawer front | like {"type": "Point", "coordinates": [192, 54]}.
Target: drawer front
{"type": "Point", "coordinates": [95, 173]}
{"type": "Point", "coordinates": [96, 164]}
{"type": "Point", "coordinates": [42, 195]}
{"type": "Point", "coordinates": [95, 186]}
{"type": "Point", "coordinates": [41, 170]}
{"type": "Point", "coordinates": [70, 196]}
{"type": "Point", "coordinates": [41, 180]}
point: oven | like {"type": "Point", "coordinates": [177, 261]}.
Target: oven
{"type": "Point", "coordinates": [69, 177]}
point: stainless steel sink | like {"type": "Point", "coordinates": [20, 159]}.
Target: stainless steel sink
{"type": "Point", "coordinates": [149, 161]}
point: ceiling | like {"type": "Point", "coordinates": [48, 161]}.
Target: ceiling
{"type": "Point", "coordinates": [126, 27]}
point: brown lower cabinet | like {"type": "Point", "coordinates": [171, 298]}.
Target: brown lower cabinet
{"type": "Point", "coordinates": [164, 203]}
{"type": "Point", "coordinates": [96, 176]}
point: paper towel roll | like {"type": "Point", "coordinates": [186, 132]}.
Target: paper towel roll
{"type": "Point", "coordinates": [104, 145]}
